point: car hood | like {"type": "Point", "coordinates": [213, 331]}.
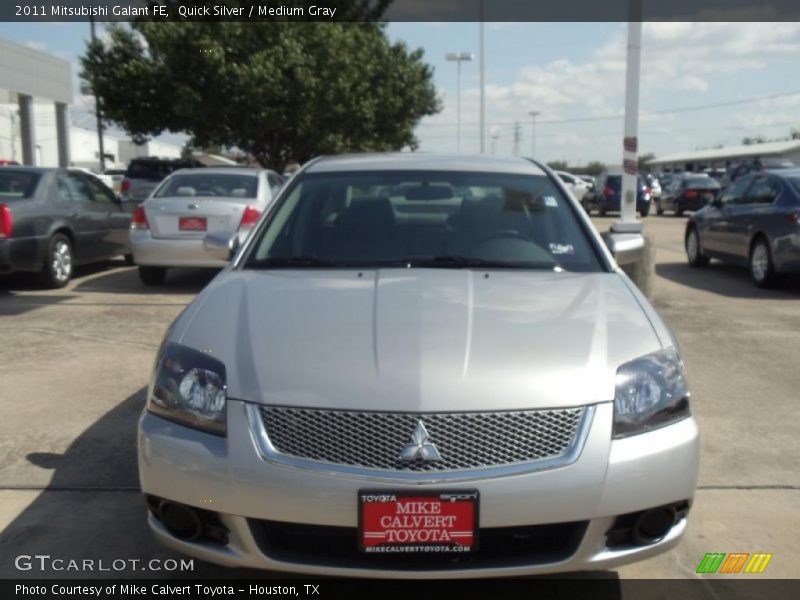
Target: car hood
{"type": "Point", "coordinates": [418, 339]}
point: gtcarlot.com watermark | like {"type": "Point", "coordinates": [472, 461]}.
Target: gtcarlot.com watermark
{"type": "Point", "coordinates": [46, 562]}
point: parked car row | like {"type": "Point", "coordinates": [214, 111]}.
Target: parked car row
{"type": "Point", "coordinates": [753, 222]}
{"type": "Point", "coordinates": [607, 195]}
{"type": "Point", "coordinates": [54, 219]}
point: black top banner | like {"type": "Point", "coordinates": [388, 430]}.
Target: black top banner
{"type": "Point", "coordinates": [401, 10]}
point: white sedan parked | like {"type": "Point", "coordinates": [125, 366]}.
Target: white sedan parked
{"type": "Point", "coordinates": [574, 184]}
{"type": "Point", "coordinates": [168, 228]}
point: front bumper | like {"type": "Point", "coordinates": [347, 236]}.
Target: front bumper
{"type": "Point", "coordinates": [230, 477]}
{"type": "Point", "coordinates": [160, 252]}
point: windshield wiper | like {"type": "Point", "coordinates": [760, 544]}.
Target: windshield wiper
{"type": "Point", "coordinates": [466, 262]}
{"type": "Point", "coordinates": [292, 262]}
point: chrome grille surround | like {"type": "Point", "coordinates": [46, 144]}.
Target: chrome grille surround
{"type": "Point", "coordinates": [368, 444]}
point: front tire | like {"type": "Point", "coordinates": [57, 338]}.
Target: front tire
{"type": "Point", "coordinates": [762, 269]}
{"type": "Point", "coordinates": [57, 270]}
{"type": "Point", "coordinates": [694, 251]}
{"type": "Point", "coordinates": [152, 275]}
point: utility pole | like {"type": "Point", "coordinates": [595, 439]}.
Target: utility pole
{"type": "Point", "coordinates": [495, 135]}
{"type": "Point", "coordinates": [533, 114]}
{"type": "Point", "coordinates": [458, 57]}
{"type": "Point", "coordinates": [517, 136]}
{"type": "Point", "coordinates": [98, 112]}
{"type": "Point", "coordinates": [483, 84]}
{"type": "Point", "coordinates": [630, 162]}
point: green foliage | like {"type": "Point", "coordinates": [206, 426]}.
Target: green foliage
{"type": "Point", "coordinates": [558, 165]}
{"type": "Point", "coordinates": [594, 168]}
{"type": "Point", "coordinates": [280, 92]}
{"type": "Point", "coordinates": [645, 160]}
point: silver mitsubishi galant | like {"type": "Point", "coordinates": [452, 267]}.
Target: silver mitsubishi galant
{"type": "Point", "coordinates": [420, 366]}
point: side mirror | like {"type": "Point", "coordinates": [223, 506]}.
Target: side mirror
{"type": "Point", "coordinates": [221, 246]}
{"type": "Point", "coordinates": [627, 248]}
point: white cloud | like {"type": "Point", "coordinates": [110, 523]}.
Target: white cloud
{"type": "Point", "coordinates": [682, 64]}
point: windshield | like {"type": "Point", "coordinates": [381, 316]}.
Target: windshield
{"type": "Point", "coordinates": [209, 184]}
{"type": "Point", "coordinates": [17, 184]}
{"type": "Point", "coordinates": [701, 183]}
{"type": "Point", "coordinates": [424, 219]}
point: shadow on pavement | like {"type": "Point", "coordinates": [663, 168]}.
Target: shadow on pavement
{"type": "Point", "coordinates": [93, 509]}
{"type": "Point", "coordinates": [126, 281]}
{"type": "Point", "coordinates": [727, 280]}
{"type": "Point", "coordinates": [12, 304]}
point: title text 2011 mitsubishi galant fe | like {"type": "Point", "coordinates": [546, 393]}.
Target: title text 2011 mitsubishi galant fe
{"type": "Point", "coordinates": [420, 366]}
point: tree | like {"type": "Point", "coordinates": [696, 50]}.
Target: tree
{"type": "Point", "coordinates": [558, 165]}
{"type": "Point", "coordinates": [645, 160]}
{"type": "Point", "coordinates": [280, 92]}
{"type": "Point", "coordinates": [594, 168]}
{"type": "Point", "coordinates": [750, 140]}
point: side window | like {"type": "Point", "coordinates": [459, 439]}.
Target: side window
{"type": "Point", "coordinates": [78, 188]}
{"type": "Point", "coordinates": [64, 189]}
{"type": "Point", "coordinates": [734, 194]}
{"type": "Point", "coordinates": [275, 183]}
{"type": "Point", "coordinates": [765, 190]}
{"type": "Point", "coordinates": [101, 192]}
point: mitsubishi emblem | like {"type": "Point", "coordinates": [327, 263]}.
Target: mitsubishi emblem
{"type": "Point", "coordinates": [420, 446]}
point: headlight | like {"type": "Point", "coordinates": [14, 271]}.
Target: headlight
{"type": "Point", "coordinates": [651, 392]}
{"type": "Point", "coordinates": [189, 387]}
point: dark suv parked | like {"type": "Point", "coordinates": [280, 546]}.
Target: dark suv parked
{"type": "Point", "coordinates": [607, 194]}
{"type": "Point", "coordinates": [54, 219]}
{"type": "Point", "coordinates": [145, 173]}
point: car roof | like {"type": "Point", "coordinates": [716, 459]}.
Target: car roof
{"type": "Point", "coordinates": [219, 171]}
{"type": "Point", "coordinates": [416, 161]}
{"type": "Point", "coordinates": [7, 168]}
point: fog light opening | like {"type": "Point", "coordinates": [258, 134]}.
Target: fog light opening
{"type": "Point", "coordinates": [652, 525]}
{"type": "Point", "coordinates": [181, 521]}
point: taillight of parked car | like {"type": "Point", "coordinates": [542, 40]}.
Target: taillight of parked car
{"type": "Point", "coordinates": [125, 186]}
{"type": "Point", "coordinates": [608, 191]}
{"type": "Point", "coordinates": [249, 217]}
{"type": "Point", "coordinates": [690, 194]}
{"type": "Point", "coordinates": [6, 223]}
{"type": "Point", "coordinates": [139, 218]}
{"type": "Point", "coordinates": [794, 217]}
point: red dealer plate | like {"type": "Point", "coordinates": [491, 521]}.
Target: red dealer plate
{"type": "Point", "coordinates": [192, 223]}
{"type": "Point", "coordinates": [418, 522]}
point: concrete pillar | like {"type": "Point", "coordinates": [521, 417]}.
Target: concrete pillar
{"type": "Point", "coordinates": [62, 134]}
{"type": "Point", "coordinates": [26, 129]}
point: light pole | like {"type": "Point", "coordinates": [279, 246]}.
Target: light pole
{"type": "Point", "coordinates": [627, 222]}
{"type": "Point", "coordinates": [483, 86]}
{"type": "Point", "coordinates": [533, 114]}
{"type": "Point", "coordinates": [458, 57]}
{"type": "Point", "coordinates": [98, 111]}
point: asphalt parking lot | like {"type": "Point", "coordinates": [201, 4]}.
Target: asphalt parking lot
{"type": "Point", "coordinates": [74, 364]}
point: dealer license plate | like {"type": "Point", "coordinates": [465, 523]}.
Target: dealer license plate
{"type": "Point", "coordinates": [192, 223]}
{"type": "Point", "coordinates": [418, 522]}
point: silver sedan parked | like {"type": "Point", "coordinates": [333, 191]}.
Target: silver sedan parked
{"type": "Point", "coordinates": [167, 230]}
{"type": "Point", "coordinates": [420, 366]}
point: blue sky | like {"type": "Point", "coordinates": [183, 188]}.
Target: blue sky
{"type": "Point", "coordinates": [576, 71]}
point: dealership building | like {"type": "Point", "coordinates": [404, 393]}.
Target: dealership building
{"type": "Point", "coordinates": [35, 128]}
{"type": "Point", "coordinates": [720, 158]}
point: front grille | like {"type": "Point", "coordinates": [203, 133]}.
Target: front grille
{"type": "Point", "coordinates": [497, 547]}
{"type": "Point", "coordinates": [375, 440]}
